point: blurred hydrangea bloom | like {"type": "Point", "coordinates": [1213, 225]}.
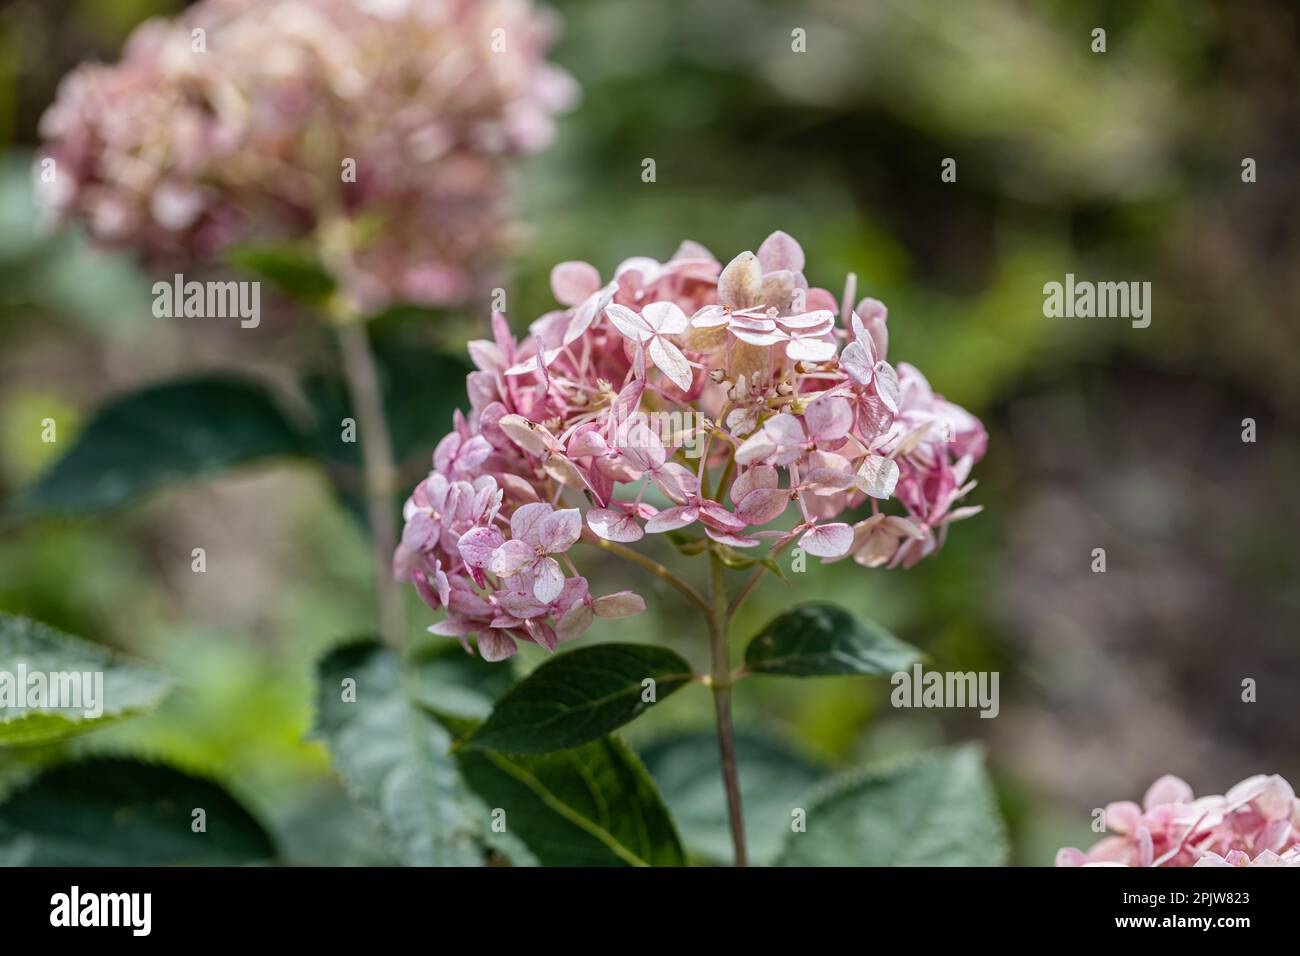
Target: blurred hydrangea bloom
{"type": "Point", "coordinates": [240, 119]}
{"type": "Point", "coordinates": [745, 369]}
{"type": "Point", "coordinates": [1257, 823]}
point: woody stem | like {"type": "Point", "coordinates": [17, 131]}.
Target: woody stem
{"type": "Point", "coordinates": [380, 473]}
{"type": "Point", "coordinates": [720, 683]}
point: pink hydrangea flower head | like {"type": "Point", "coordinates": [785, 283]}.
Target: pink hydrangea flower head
{"type": "Point", "coordinates": [1257, 823]}
{"type": "Point", "coordinates": [616, 417]}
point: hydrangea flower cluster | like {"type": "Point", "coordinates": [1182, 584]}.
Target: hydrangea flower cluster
{"type": "Point", "coordinates": [239, 118]}
{"type": "Point", "coordinates": [1256, 823]}
{"type": "Point", "coordinates": [613, 418]}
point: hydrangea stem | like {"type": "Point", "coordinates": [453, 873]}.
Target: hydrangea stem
{"type": "Point", "coordinates": [720, 683]}
{"type": "Point", "coordinates": [654, 567]}
{"type": "Point", "coordinates": [380, 472]}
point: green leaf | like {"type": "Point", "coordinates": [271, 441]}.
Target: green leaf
{"type": "Point", "coordinates": [179, 430]}
{"type": "Point", "coordinates": [773, 782]}
{"type": "Point", "coordinates": [821, 639]}
{"type": "Point", "coordinates": [936, 809]}
{"type": "Point", "coordinates": [589, 806]}
{"type": "Point", "coordinates": [733, 559]}
{"type": "Point", "coordinates": [395, 758]}
{"type": "Point", "coordinates": [451, 683]}
{"type": "Point", "coordinates": [326, 827]}
{"type": "Point", "coordinates": [119, 812]}
{"type": "Point", "coordinates": [26, 647]}
{"type": "Point", "coordinates": [688, 544]}
{"type": "Point", "coordinates": [579, 697]}
{"type": "Point", "coordinates": [291, 270]}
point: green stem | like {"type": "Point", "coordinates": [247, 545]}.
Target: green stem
{"type": "Point", "coordinates": [749, 585]}
{"type": "Point", "coordinates": [720, 683]}
{"type": "Point", "coordinates": [380, 473]}
{"type": "Point", "coordinates": [654, 567]}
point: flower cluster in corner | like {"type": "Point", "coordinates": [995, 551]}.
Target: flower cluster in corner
{"type": "Point", "coordinates": [1256, 823]}
{"type": "Point", "coordinates": [784, 393]}
{"type": "Point", "coordinates": [380, 125]}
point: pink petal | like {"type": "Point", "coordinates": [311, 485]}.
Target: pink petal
{"type": "Point", "coordinates": [665, 318]}
{"type": "Point", "coordinates": [785, 430]}
{"type": "Point", "coordinates": [477, 544]}
{"type": "Point", "coordinates": [421, 531]}
{"type": "Point", "coordinates": [541, 633]}
{"type": "Point", "coordinates": [761, 339]}
{"type": "Point", "coordinates": [827, 540]}
{"type": "Point", "coordinates": [741, 283]}
{"type": "Point", "coordinates": [526, 522]}
{"type": "Point", "coordinates": [428, 594]}
{"type": "Point", "coordinates": [718, 517]}
{"type": "Point", "coordinates": [757, 447]}
{"type": "Point", "coordinates": [574, 621]}
{"type": "Point", "coordinates": [857, 362]}
{"type": "Point", "coordinates": [627, 401]}
{"type": "Point", "coordinates": [549, 580]}
{"type": "Point", "coordinates": [585, 314]}
{"type": "Point", "coordinates": [473, 453]}
{"type": "Point", "coordinates": [672, 518]}
{"type": "Point", "coordinates": [780, 251]}
{"type": "Point", "coordinates": [676, 481]}
{"type": "Point", "coordinates": [529, 437]}
{"type": "Point", "coordinates": [630, 325]}
{"type": "Point", "coordinates": [511, 558]}
{"type": "Point", "coordinates": [1168, 789]}
{"type": "Point", "coordinates": [1274, 836]}
{"type": "Point", "coordinates": [809, 320]}
{"type": "Point", "coordinates": [445, 452]}
{"type": "Point", "coordinates": [872, 310]}
{"type": "Point", "coordinates": [1277, 800]}
{"type": "Point", "coordinates": [573, 281]}
{"type": "Point", "coordinates": [828, 419]}
{"type": "Point", "coordinates": [1122, 816]}
{"type": "Point", "coordinates": [1146, 847]}
{"type": "Point", "coordinates": [557, 532]}
{"type": "Point", "coordinates": [752, 322]}
{"type": "Point", "coordinates": [760, 476]}
{"type": "Point", "coordinates": [522, 604]}
{"type": "Point", "coordinates": [710, 317]}
{"type": "Point", "coordinates": [828, 479]}
{"type": "Point", "coordinates": [496, 645]}
{"type": "Point", "coordinates": [614, 525]}
{"type": "Point", "coordinates": [763, 505]}
{"type": "Point", "coordinates": [877, 476]}
{"type": "Point", "coordinates": [619, 604]}
{"type": "Point", "coordinates": [585, 444]}
{"type": "Point", "coordinates": [1069, 856]}
{"type": "Point", "coordinates": [732, 540]}
{"type": "Point", "coordinates": [669, 359]}
{"type": "Point", "coordinates": [822, 299]}
{"type": "Point", "coordinates": [810, 350]}
{"type": "Point", "coordinates": [641, 445]}
{"type": "Point", "coordinates": [453, 627]}
{"type": "Point", "coordinates": [643, 266]}
{"type": "Point", "coordinates": [885, 380]}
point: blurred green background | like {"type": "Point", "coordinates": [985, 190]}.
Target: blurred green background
{"type": "Point", "coordinates": [1117, 166]}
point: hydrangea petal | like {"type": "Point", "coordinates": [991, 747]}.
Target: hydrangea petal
{"type": "Point", "coordinates": [549, 580]}
{"type": "Point", "coordinates": [614, 525]}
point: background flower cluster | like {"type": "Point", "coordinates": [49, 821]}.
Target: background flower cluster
{"type": "Point", "coordinates": [377, 130]}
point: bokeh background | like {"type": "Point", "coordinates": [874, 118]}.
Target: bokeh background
{"type": "Point", "coordinates": [1117, 166]}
